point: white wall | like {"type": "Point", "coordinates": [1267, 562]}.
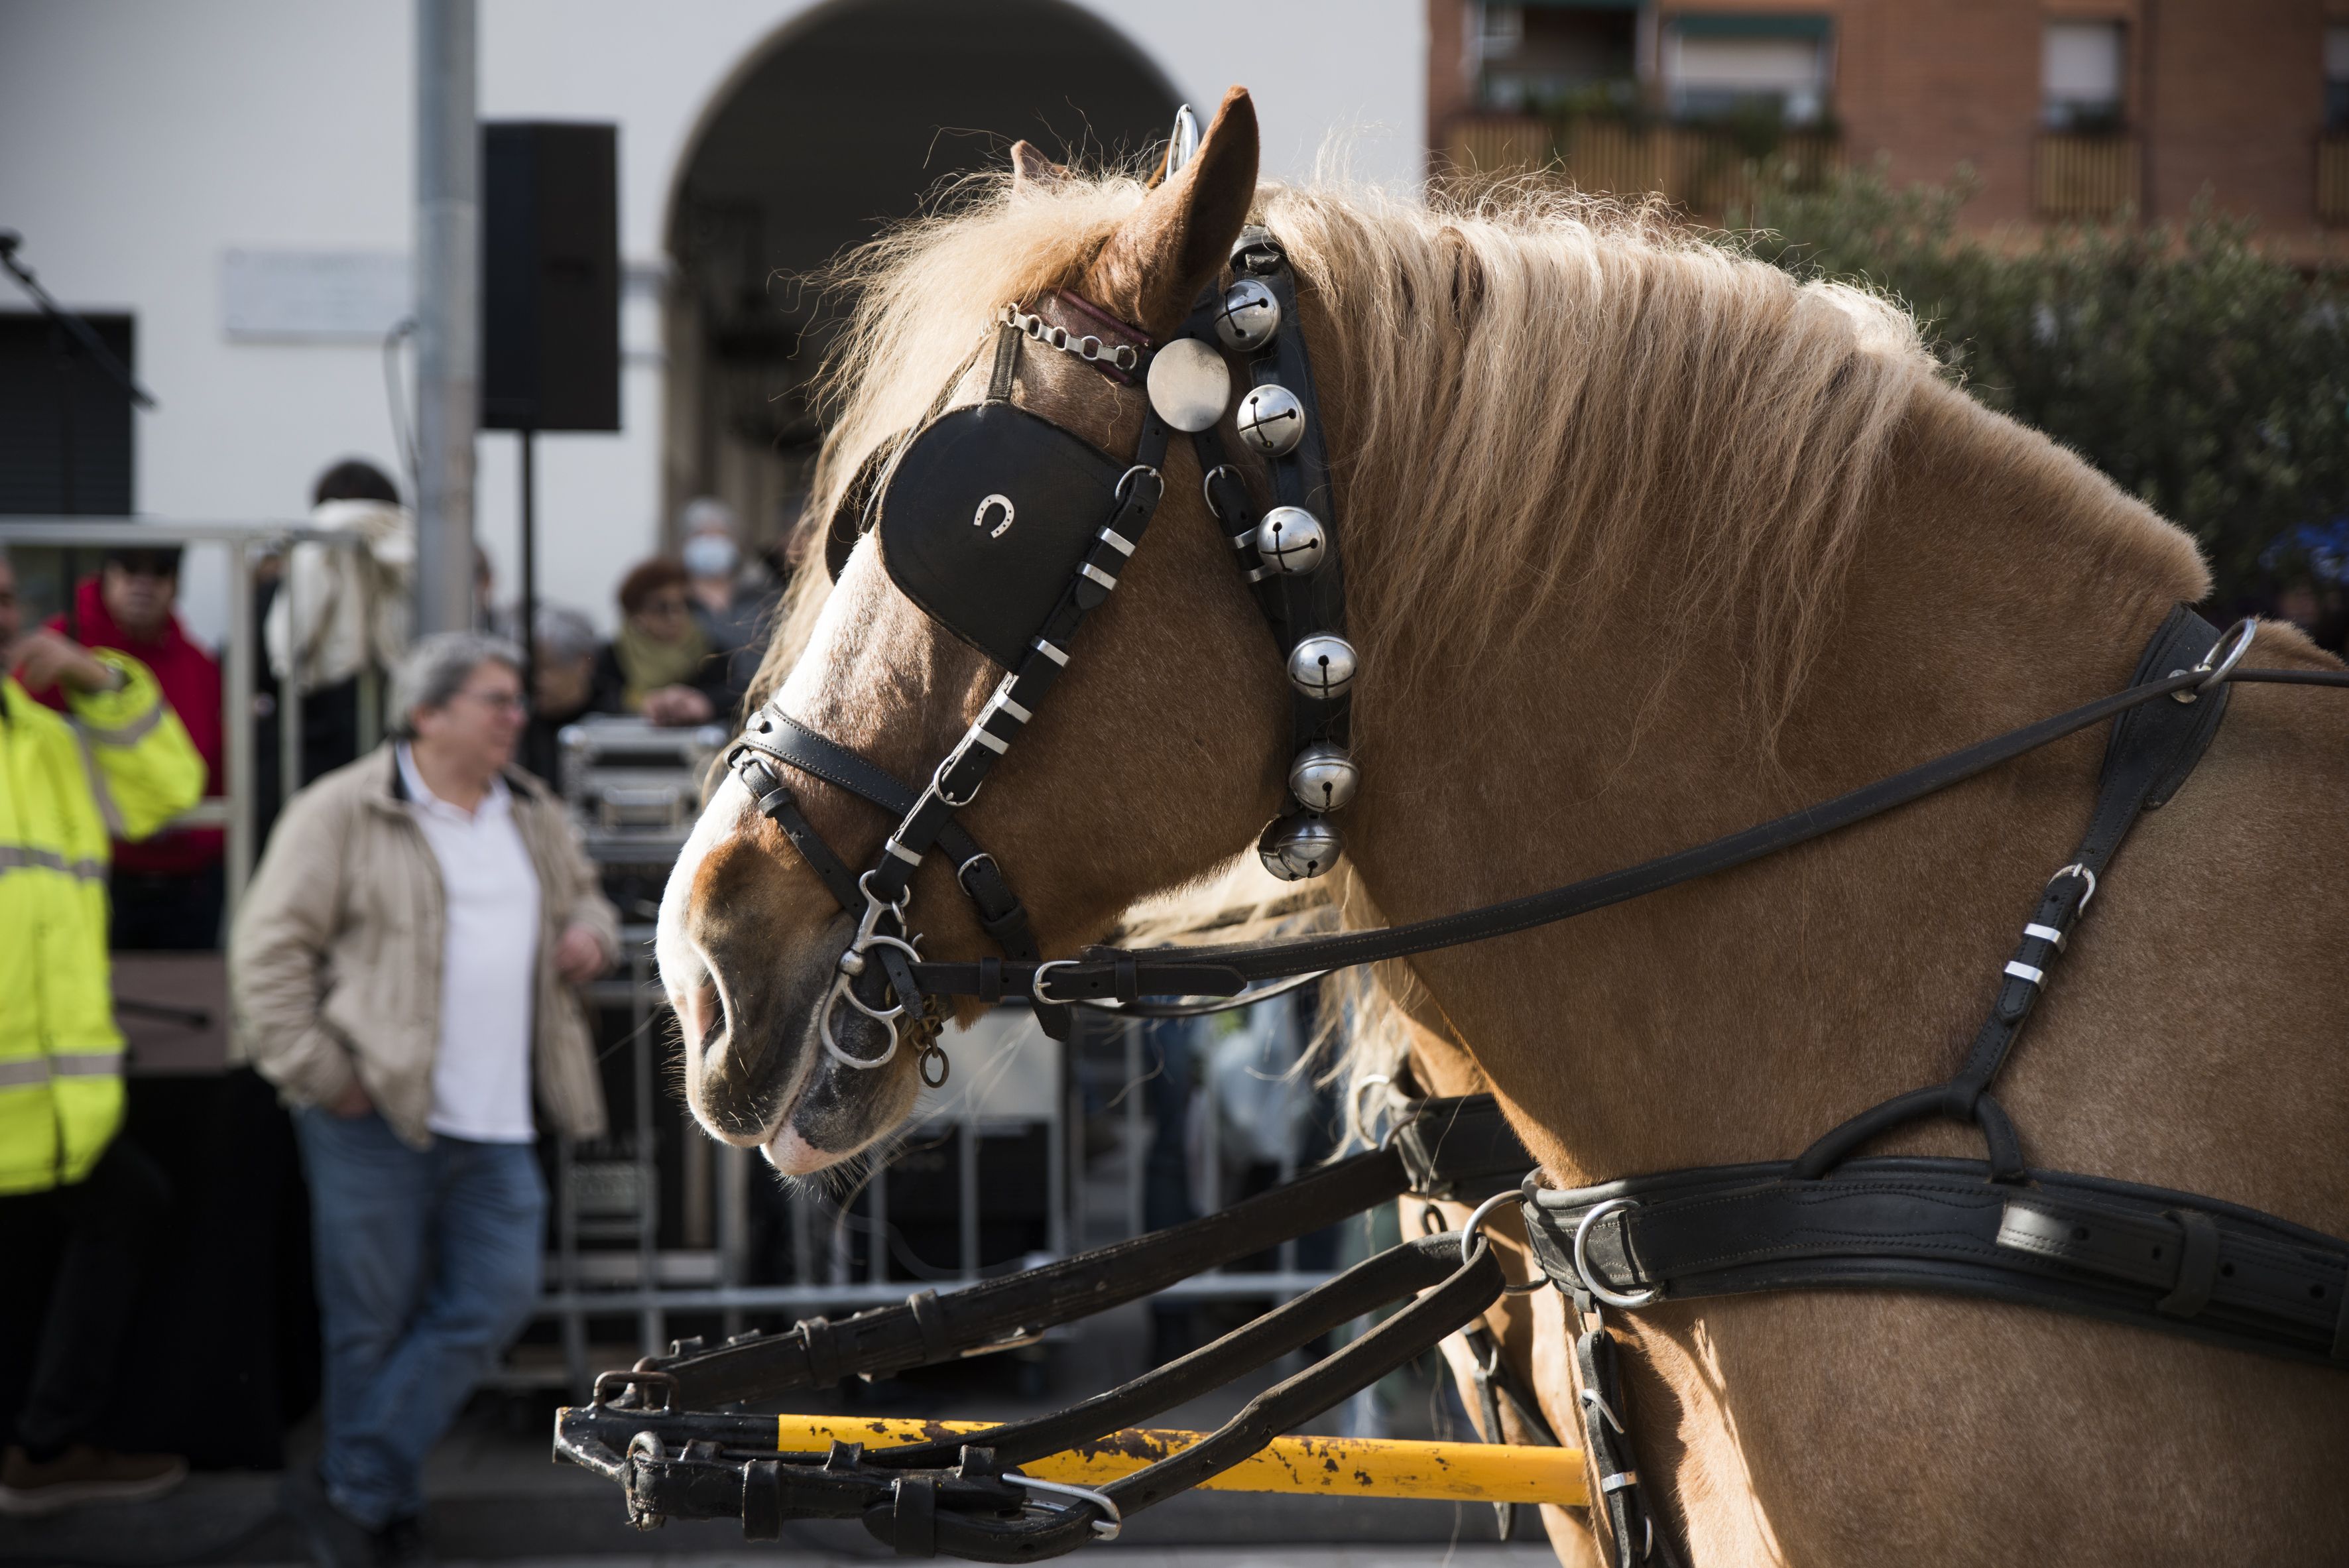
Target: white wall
{"type": "Point", "coordinates": [140, 140]}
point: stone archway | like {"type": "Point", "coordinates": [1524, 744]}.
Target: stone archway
{"type": "Point", "coordinates": [842, 122]}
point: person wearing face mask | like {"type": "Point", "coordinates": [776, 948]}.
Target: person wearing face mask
{"type": "Point", "coordinates": [732, 613]}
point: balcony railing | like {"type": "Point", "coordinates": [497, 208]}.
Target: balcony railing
{"type": "Point", "coordinates": [2084, 176]}
{"type": "Point", "coordinates": [2332, 178]}
{"type": "Point", "coordinates": [1698, 168]}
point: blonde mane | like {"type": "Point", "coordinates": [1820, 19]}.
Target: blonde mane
{"type": "Point", "coordinates": [1619, 398]}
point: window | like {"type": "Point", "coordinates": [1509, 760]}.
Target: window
{"type": "Point", "coordinates": [1503, 29]}
{"type": "Point", "coordinates": [1557, 55]}
{"type": "Point", "coordinates": [1718, 67]}
{"type": "Point", "coordinates": [2080, 77]}
{"type": "Point", "coordinates": [2336, 78]}
{"type": "Point", "coordinates": [33, 410]}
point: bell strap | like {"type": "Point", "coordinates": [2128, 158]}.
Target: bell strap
{"type": "Point", "coordinates": [1081, 979]}
{"type": "Point", "coordinates": [2084, 1244]}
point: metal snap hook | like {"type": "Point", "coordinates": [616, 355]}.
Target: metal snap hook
{"type": "Point", "coordinates": [1589, 1275]}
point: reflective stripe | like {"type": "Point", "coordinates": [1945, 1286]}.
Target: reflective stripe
{"type": "Point", "coordinates": [16, 1075]}
{"type": "Point", "coordinates": [23, 857]}
{"type": "Point", "coordinates": [97, 789]}
{"type": "Point", "coordinates": [87, 1064]}
{"type": "Point", "coordinates": [130, 734]}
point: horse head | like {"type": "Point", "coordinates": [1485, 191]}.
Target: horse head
{"type": "Point", "coordinates": [1173, 695]}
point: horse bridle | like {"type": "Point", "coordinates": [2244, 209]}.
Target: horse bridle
{"type": "Point", "coordinates": [1289, 556]}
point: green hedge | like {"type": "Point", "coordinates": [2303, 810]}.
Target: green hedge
{"type": "Point", "coordinates": [2202, 371]}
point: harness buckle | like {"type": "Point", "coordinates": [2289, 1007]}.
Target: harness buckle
{"type": "Point", "coordinates": [1035, 981]}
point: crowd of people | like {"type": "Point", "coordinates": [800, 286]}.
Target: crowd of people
{"type": "Point", "coordinates": [404, 967]}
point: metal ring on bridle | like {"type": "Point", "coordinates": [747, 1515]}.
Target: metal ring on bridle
{"type": "Point", "coordinates": [1104, 1529]}
{"type": "Point", "coordinates": [833, 1049]}
{"type": "Point", "coordinates": [1354, 1108]}
{"type": "Point", "coordinates": [1469, 1232]}
{"type": "Point", "coordinates": [1589, 1275]}
{"type": "Point", "coordinates": [2242, 632]}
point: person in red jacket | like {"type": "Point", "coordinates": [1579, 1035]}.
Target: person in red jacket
{"type": "Point", "coordinates": [167, 889]}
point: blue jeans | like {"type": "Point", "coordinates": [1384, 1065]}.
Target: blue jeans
{"type": "Point", "coordinates": [428, 1263]}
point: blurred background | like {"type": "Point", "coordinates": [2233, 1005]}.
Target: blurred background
{"type": "Point", "coordinates": [2123, 221]}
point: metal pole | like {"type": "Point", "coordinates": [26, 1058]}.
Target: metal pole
{"type": "Point", "coordinates": [237, 711]}
{"type": "Point", "coordinates": [526, 625]}
{"type": "Point", "coordinates": [448, 312]}
{"type": "Point", "coordinates": [68, 500]}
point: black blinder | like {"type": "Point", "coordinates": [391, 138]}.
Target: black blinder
{"type": "Point", "coordinates": [987, 515]}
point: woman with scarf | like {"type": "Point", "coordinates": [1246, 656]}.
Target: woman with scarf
{"type": "Point", "coordinates": [660, 665]}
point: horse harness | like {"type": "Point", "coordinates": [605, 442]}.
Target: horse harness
{"type": "Point", "coordinates": [945, 501]}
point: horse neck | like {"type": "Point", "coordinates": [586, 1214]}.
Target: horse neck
{"type": "Point", "coordinates": [1995, 580]}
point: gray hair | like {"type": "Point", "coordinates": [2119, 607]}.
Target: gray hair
{"type": "Point", "coordinates": [564, 635]}
{"type": "Point", "coordinates": [435, 668]}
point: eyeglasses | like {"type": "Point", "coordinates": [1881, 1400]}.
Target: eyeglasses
{"type": "Point", "coordinates": [666, 605]}
{"type": "Point", "coordinates": [499, 701]}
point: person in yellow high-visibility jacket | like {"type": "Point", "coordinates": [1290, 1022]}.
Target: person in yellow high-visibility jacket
{"type": "Point", "coordinates": [116, 764]}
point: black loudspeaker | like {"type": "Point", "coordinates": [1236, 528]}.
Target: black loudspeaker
{"type": "Point", "coordinates": [550, 277]}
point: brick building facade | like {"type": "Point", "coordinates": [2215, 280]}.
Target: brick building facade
{"type": "Point", "coordinates": [2061, 107]}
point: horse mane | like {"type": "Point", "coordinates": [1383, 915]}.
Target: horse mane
{"type": "Point", "coordinates": [1621, 399]}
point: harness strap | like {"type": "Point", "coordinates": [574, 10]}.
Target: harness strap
{"type": "Point", "coordinates": [778, 735]}
{"type": "Point", "coordinates": [2088, 1244]}
{"type": "Point", "coordinates": [2154, 747]}
{"type": "Point", "coordinates": [1273, 960]}
{"type": "Point", "coordinates": [892, 1338]}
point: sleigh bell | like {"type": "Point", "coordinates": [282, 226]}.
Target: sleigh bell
{"type": "Point", "coordinates": [1291, 541]}
{"type": "Point", "coordinates": [1248, 316]}
{"type": "Point", "coordinates": [1297, 847]}
{"type": "Point", "coordinates": [1322, 667]}
{"type": "Point", "coordinates": [1324, 777]}
{"type": "Point", "coordinates": [1271, 421]}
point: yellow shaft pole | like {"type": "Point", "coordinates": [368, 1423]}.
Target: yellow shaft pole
{"type": "Point", "coordinates": [1351, 1467]}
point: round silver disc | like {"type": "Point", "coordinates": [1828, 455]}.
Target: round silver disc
{"type": "Point", "coordinates": [1190, 385]}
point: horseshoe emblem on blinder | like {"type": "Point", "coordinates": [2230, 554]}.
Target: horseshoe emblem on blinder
{"type": "Point", "coordinates": [979, 519]}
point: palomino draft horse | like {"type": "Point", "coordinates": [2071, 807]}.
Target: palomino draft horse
{"type": "Point", "coordinates": [1644, 543]}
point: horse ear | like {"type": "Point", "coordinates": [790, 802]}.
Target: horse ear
{"type": "Point", "coordinates": [1031, 170]}
{"type": "Point", "coordinates": [1158, 259]}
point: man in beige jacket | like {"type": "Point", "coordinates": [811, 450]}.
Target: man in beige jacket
{"type": "Point", "coordinates": [403, 968]}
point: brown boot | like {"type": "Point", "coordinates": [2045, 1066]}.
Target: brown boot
{"type": "Point", "coordinates": [82, 1474]}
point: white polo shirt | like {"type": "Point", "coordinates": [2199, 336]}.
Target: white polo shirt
{"type": "Point", "coordinates": [489, 969]}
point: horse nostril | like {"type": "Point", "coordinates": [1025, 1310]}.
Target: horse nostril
{"type": "Point", "coordinates": [709, 1014]}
